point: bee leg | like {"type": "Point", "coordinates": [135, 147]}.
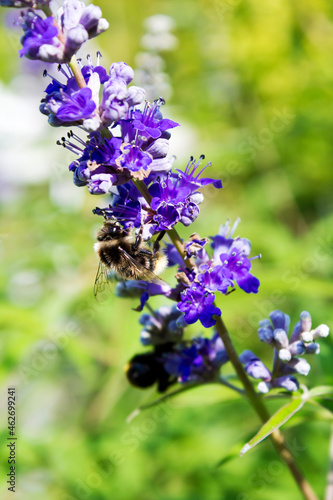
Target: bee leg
{"type": "Point", "coordinates": [138, 240]}
{"type": "Point", "coordinates": [156, 246]}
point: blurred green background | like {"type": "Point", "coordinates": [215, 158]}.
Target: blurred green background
{"type": "Point", "coordinates": [252, 85]}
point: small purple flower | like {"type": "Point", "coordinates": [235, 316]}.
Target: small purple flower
{"type": "Point", "coordinates": [232, 254]}
{"type": "Point", "coordinates": [197, 304]}
{"type": "Point", "coordinates": [134, 159]}
{"type": "Point", "coordinates": [66, 104]}
{"type": "Point", "coordinates": [150, 123]}
{"type": "Point", "coordinates": [40, 38]}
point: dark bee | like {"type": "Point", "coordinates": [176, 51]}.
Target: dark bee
{"type": "Point", "coordinates": [147, 369]}
{"type": "Point", "coordinates": [126, 255]}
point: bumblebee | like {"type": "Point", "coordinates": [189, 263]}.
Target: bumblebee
{"type": "Point", "coordinates": [126, 256]}
{"type": "Point", "coordinates": [145, 370]}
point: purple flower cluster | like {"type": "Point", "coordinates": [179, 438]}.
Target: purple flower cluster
{"type": "Point", "coordinates": [67, 104]}
{"type": "Point", "coordinates": [174, 195]}
{"type": "Point", "coordinates": [108, 162]}
{"type": "Point", "coordinates": [199, 361]}
{"type": "Point", "coordinates": [286, 362]}
{"type": "Point", "coordinates": [57, 39]}
{"type": "Point", "coordinates": [229, 264]}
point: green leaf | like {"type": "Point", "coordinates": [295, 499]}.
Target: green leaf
{"type": "Point", "coordinates": [278, 419]}
{"type": "Point", "coordinates": [323, 391]}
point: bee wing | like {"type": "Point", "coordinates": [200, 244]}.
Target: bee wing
{"type": "Point", "coordinates": [102, 282]}
{"type": "Point", "coordinates": [145, 273]}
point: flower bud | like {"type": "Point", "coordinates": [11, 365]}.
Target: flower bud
{"type": "Point", "coordinates": [300, 366]}
{"type": "Point", "coordinates": [284, 355]}
{"type": "Point", "coordinates": [281, 338]}
{"type": "Point", "coordinates": [266, 334]}
{"type": "Point", "coordinates": [280, 320]}
{"type": "Point", "coordinates": [313, 348]}
{"type": "Point", "coordinates": [297, 348]}
{"type": "Point", "coordinates": [321, 331]}
{"type": "Point", "coordinates": [305, 318]}
{"type": "Point", "coordinates": [264, 387]}
{"type": "Point", "coordinates": [306, 336]}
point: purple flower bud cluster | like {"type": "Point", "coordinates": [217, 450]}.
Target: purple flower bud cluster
{"type": "Point", "coordinates": [287, 363]}
{"type": "Point", "coordinates": [57, 39]}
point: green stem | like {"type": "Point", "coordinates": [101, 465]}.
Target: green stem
{"type": "Point", "coordinates": [259, 406]}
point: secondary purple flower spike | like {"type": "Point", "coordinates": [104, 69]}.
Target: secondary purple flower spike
{"type": "Point", "coordinates": [57, 41]}
{"type": "Point", "coordinates": [286, 364]}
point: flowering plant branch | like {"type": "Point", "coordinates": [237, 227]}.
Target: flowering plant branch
{"type": "Point", "coordinates": [125, 156]}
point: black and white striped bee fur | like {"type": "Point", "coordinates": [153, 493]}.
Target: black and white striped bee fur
{"type": "Point", "coordinates": [126, 255]}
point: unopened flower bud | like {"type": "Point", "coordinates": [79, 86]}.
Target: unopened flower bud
{"type": "Point", "coordinates": [264, 387]}
{"type": "Point", "coordinates": [313, 348]}
{"type": "Point", "coordinates": [284, 355]}
{"type": "Point", "coordinates": [306, 336]}
{"type": "Point", "coordinates": [297, 348]}
{"type": "Point", "coordinates": [266, 334]}
{"type": "Point", "coordinates": [321, 331]}
{"type": "Point", "coordinates": [305, 318]}
{"type": "Point", "coordinates": [300, 366]}
{"type": "Point", "coordinates": [281, 338]}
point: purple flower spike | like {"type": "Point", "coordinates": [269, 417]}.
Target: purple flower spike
{"type": "Point", "coordinates": [287, 351]}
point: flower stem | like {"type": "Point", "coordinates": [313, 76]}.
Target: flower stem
{"type": "Point", "coordinates": [73, 64]}
{"type": "Point", "coordinates": [259, 406]}
{"type": "Point", "coordinates": [176, 240]}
